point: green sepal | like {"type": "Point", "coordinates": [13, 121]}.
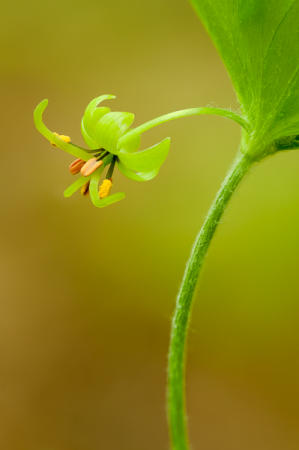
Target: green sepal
{"type": "Point", "coordinates": [110, 128]}
{"type": "Point", "coordinates": [91, 116]}
{"type": "Point", "coordinates": [129, 142]}
{"type": "Point", "coordinates": [69, 191]}
{"type": "Point", "coordinates": [101, 203]}
{"type": "Point", "coordinates": [94, 192]}
{"type": "Point", "coordinates": [89, 140]}
{"type": "Point", "coordinates": [94, 185]}
{"type": "Point", "coordinates": [74, 150]}
{"type": "Point", "coordinates": [146, 160]}
{"type": "Point", "coordinates": [137, 176]}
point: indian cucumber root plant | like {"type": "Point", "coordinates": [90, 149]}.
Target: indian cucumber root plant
{"type": "Point", "coordinates": [258, 41]}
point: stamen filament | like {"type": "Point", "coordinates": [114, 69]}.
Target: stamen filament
{"type": "Point", "coordinates": [103, 154]}
{"type": "Point", "coordinates": [111, 168]}
{"type": "Point", "coordinates": [97, 150]}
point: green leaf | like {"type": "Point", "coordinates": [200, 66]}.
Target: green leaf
{"type": "Point", "coordinates": [259, 43]}
{"type": "Point", "coordinates": [147, 160]}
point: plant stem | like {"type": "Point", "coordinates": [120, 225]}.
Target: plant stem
{"type": "Point", "coordinates": [185, 113]}
{"type": "Point", "coordinates": [176, 363]}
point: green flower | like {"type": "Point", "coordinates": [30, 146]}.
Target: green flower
{"type": "Point", "coordinates": [111, 144]}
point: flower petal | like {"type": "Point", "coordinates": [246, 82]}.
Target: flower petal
{"type": "Point", "coordinates": [137, 176]}
{"type": "Point", "coordinates": [88, 138]}
{"type": "Point", "coordinates": [94, 192]}
{"type": "Point", "coordinates": [53, 138]}
{"type": "Point", "coordinates": [146, 160]}
{"type": "Point", "coordinates": [91, 116]}
{"type": "Point", "coordinates": [130, 143]}
{"type": "Point", "coordinates": [110, 128]}
{"type": "Point", "coordinates": [75, 186]}
{"type": "Point", "coordinates": [101, 203]}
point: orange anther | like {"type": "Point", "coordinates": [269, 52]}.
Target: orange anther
{"type": "Point", "coordinates": [76, 166]}
{"type": "Point", "coordinates": [90, 166]}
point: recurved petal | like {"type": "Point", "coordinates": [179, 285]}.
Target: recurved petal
{"type": "Point", "coordinates": [93, 112]}
{"type": "Point", "coordinates": [69, 191]}
{"type": "Point", "coordinates": [52, 137]}
{"type": "Point", "coordinates": [101, 203]}
{"type": "Point", "coordinates": [110, 128]}
{"type": "Point", "coordinates": [137, 176]}
{"type": "Point", "coordinates": [147, 160]}
{"type": "Point", "coordinates": [91, 116]}
{"type": "Point", "coordinates": [130, 143]}
{"type": "Point", "coordinates": [89, 140]}
{"type": "Point", "coordinates": [94, 193]}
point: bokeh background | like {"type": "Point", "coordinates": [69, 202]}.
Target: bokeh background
{"type": "Point", "coordinates": [87, 294]}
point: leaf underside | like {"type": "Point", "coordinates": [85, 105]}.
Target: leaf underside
{"type": "Point", "coordinates": [259, 44]}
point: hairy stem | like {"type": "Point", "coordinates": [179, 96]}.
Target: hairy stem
{"type": "Point", "coordinates": [176, 364]}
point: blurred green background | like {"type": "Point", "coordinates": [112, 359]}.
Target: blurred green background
{"type": "Point", "coordinates": [87, 294]}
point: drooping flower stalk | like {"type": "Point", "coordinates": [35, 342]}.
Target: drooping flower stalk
{"type": "Point", "coordinates": [111, 142]}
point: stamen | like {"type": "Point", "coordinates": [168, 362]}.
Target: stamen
{"type": "Point", "coordinates": [64, 138]}
{"type": "Point", "coordinates": [76, 166]}
{"type": "Point", "coordinates": [90, 166]}
{"type": "Point", "coordinates": [111, 168]}
{"type": "Point", "coordinates": [95, 150]}
{"type": "Point", "coordinates": [85, 188]}
{"type": "Point", "coordinates": [104, 153]}
{"type": "Point", "coordinates": [105, 188]}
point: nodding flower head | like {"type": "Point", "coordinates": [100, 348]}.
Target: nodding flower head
{"type": "Point", "coordinates": [111, 144]}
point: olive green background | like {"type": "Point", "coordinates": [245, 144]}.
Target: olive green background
{"type": "Point", "coordinates": [87, 294]}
